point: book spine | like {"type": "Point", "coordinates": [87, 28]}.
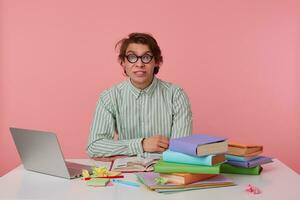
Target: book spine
{"type": "Point", "coordinates": [171, 156]}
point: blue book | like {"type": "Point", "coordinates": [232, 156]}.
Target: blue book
{"type": "Point", "coordinates": [177, 157]}
{"type": "Point", "coordinates": [239, 158]}
{"type": "Point", "coordinates": [199, 145]}
{"type": "Point", "coordinates": [251, 163]}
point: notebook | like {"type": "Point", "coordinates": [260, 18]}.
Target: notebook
{"type": "Point", "coordinates": [149, 180]}
{"type": "Point", "coordinates": [40, 152]}
{"type": "Point", "coordinates": [133, 164]}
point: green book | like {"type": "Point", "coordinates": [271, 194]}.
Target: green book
{"type": "Point", "coordinates": [170, 167]}
{"type": "Point", "coordinates": [230, 169]}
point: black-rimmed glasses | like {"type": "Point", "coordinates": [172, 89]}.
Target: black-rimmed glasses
{"type": "Point", "coordinates": [146, 58]}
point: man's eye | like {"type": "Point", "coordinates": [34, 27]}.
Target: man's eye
{"type": "Point", "coordinates": [131, 57]}
{"type": "Point", "coordinates": [147, 56]}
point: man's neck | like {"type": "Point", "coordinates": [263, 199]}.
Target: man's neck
{"type": "Point", "coordinates": [142, 86]}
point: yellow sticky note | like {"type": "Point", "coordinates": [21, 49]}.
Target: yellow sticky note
{"type": "Point", "coordinates": [85, 173]}
{"type": "Point", "coordinates": [100, 171]}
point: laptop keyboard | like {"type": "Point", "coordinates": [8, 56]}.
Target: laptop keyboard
{"type": "Point", "coordinates": [75, 169]}
{"type": "Point", "coordinates": [77, 165]}
{"type": "Point", "coordinates": [74, 172]}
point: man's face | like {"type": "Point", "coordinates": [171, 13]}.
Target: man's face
{"type": "Point", "coordinates": [139, 72]}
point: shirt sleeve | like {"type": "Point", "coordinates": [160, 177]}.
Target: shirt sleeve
{"type": "Point", "coordinates": [182, 115]}
{"type": "Point", "coordinates": [101, 143]}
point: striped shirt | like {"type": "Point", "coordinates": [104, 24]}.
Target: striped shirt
{"type": "Point", "coordinates": [160, 109]}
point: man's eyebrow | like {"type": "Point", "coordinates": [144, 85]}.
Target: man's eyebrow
{"type": "Point", "coordinates": [131, 51]}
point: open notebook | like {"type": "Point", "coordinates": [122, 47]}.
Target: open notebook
{"type": "Point", "coordinates": [134, 164]}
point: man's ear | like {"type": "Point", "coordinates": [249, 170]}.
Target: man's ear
{"type": "Point", "coordinates": [156, 70]}
{"type": "Point", "coordinates": [124, 68]}
{"type": "Point", "coordinates": [122, 64]}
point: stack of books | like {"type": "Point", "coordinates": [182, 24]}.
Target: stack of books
{"type": "Point", "coordinates": [192, 162]}
{"type": "Point", "coordinates": [244, 159]}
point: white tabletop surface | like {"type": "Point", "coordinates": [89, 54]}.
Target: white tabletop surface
{"type": "Point", "coordinates": [277, 181]}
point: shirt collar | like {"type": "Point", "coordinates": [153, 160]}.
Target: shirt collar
{"type": "Point", "coordinates": [149, 90]}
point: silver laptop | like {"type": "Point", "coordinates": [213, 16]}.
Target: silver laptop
{"type": "Point", "coordinates": [41, 152]}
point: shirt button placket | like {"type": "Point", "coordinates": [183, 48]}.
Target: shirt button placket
{"type": "Point", "coordinates": [142, 108]}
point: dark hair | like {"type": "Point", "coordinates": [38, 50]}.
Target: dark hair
{"type": "Point", "coordinates": [140, 38]}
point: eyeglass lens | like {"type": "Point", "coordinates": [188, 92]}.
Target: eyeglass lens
{"type": "Point", "coordinates": [146, 58]}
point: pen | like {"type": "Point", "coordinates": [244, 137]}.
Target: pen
{"type": "Point", "coordinates": [120, 176]}
{"type": "Point", "coordinates": [89, 178]}
{"type": "Point", "coordinates": [129, 183]}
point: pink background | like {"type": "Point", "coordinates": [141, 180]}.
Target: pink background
{"type": "Point", "coordinates": [237, 60]}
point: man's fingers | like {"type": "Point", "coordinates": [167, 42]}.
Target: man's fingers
{"type": "Point", "coordinates": [163, 145]}
{"type": "Point", "coordinates": [164, 140]}
{"type": "Point", "coordinates": [155, 143]}
{"type": "Point", "coordinates": [160, 149]}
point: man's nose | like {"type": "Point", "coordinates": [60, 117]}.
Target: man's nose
{"type": "Point", "coordinates": [139, 63]}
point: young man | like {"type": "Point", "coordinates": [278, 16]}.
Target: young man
{"type": "Point", "coordinates": [144, 112]}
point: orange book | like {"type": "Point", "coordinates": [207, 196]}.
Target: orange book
{"type": "Point", "coordinates": [244, 149]}
{"type": "Point", "coordinates": [186, 178]}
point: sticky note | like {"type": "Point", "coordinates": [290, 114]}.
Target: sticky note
{"type": "Point", "coordinates": [97, 182]}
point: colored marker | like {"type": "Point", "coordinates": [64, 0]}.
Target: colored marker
{"type": "Point", "coordinates": [120, 176]}
{"type": "Point", "coordinates": [129, 183]}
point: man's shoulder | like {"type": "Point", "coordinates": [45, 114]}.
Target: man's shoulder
{"type": "Point", "coordinates": [114, 91]}
{"type": "Point", "coordinates": [115, 88]}
{"type": "Point", "coordinates": [168, 86]}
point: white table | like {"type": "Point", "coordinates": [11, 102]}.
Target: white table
{"type": "Point", "coordinates": [277, 181]}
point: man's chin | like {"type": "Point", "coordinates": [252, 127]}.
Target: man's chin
{"type": "Point", "coordinates": [140, 80]}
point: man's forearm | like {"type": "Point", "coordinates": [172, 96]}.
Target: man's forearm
{"type": "Point", "coordinates": [105, 147]}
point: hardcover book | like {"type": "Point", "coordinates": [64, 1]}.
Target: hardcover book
{"type": "Point", "coordinates": [239, 158]}
{"type": "Point", "coordinates": [251, 163]}
{"type": "Point", "coordinates": [230, 169]}
{"type": "Point", "coordinates": [244, 149]}
{"type": "Point", "coordinates": [186, 178]}
{"type": "Point", "coordinates": [169, 167]}
{"type": "Point", "coordinates": [177, 157]}
{"type": "Point", "coordinates": [199, 145]}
